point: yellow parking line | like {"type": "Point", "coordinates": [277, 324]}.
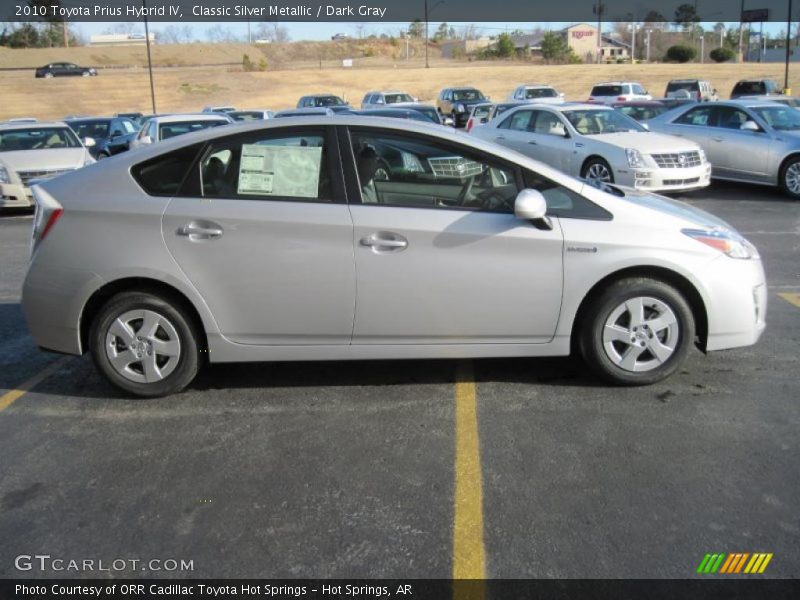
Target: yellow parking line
{"type": "Point", "coordinates": [12, 396]}
{"type": "Point", "coordinates": [791, 298]}
{"type": "Point", "coordinates": [469, 559]}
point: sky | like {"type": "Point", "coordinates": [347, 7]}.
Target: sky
{"type": "Point", "coordinates": [324, 31]}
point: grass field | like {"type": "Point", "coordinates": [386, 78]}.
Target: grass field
{"type": "Point", "coordinates": [191, 88]}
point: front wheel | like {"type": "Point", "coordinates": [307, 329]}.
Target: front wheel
{"type": "Point", "coordinates": [598, 170]}
{"type": "Point", "coordinates": [144, 345]}
{"type": "Point", "coordinates": [790, 177]}
{"type": "Point", "coordinates": [637, 332]}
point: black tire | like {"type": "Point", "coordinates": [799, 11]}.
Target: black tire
{"type": "Point", "coordinates": [597, 162]}
{"type": "Point", "coordinates": [187, 364]}
{"type": "Point", "coordinates": [792, 164]}
{"type": "Point", "coordinates": [657, 294]}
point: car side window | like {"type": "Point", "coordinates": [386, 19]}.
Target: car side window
{"type": "Point", "coordinates": [164, 174]}
{"type": "Point", "coordinates": [520, 120]}
{"type": "Point", "coordinates": [731, 118]}
{"type": "Point", "coordinates": [281, 165]}
{"type": "Point", "coordinates": [396, 169]}
{"type": "Point", "coordinates": [700, 115]}
{"type": "Point", "coordinates": [637, 89]}
{"type": "Point", "coordinates": [546, 123]}
{"type": "Point", "coordinates": [563, 202]}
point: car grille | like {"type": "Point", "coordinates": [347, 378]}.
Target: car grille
{"type": "Point", "coordinates": [455, 167]}
{"type": "Point", "coordinates": [681, 181]}
{"type": "Point", "coordinates": [26, 176]}
{"type": "Point", "coordinates": [678, 160]}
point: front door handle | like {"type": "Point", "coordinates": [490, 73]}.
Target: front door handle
{"type": "Point", "coordinates": [533, 143]}
{"type": "Point", "coordinates": [718, 139]}
{"type": "Point", "coordinates": [385, 241]}
{"type": "Point", "coordinates": [196, 230]}
{"type": "Point", "coordinates": [499, 138]}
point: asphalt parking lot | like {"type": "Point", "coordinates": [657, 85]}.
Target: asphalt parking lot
{"type": "Point", "coordinates": [365, 469]}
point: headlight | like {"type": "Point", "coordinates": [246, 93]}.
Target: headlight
{"type": "Point", "coordinates": [635, 158]}
{"type": "Point", "coordinates": [702, 153]}
{"type": "Point", "coordinates": [460, 108]}
{"type": "Point", "coordinates": [4, 175]}
{"type": "Point", "coordinates": [727, 242]}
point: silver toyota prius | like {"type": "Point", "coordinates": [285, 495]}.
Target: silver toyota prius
{"type": "Point", "coordinates": [346, 237]}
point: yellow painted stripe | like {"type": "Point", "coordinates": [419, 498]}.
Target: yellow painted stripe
{"type": "Point", "coordinates": [727, 564]}
{"type": "Point", "coordinates": [765, 563]}
{"type": "Point", "coordinates": [12, 396]}
{"type": "Point", "coordinates": [751, 564]}
{"type": "Point", "coordinates": [791, 298]}
{"type": "Point", "coordinates": [469, 558]}
{"type": "Point", "coordinates": [758, 562]}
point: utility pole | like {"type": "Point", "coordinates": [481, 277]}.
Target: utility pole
{"type": "Point", "coordinates": [649, 31]}
{"type": "Point", "coordinates": [598, 9]}
{"type": "Point", "coordinates": [427, 64]}
{"type": "Point", "coordinates": [149, 58]}
{"type": "Point", "coordinates": [788, 48]}
{"type": "Point", "coordinates": [65, 29]}
{"type": "Point", "coordinates": [633, 43]}
{"type": "Point", "coordinates": [741, 34]}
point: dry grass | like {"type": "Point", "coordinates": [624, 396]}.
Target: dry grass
{"type": "Point", "coordinates": [190, 88]}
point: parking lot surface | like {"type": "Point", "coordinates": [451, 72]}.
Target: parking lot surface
{"type": "Point", "coordinates": [364, 469]}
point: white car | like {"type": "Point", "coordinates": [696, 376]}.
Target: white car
{"type": "Point", "coordinates": [600, 143]}
{"type": "Point", "coordinates": [162, 128]}
{"type": "Point", "coordinates": [536, 92]}
{"type": "Point", "coordinates": [383, 99]}
{"type": "Point", "coordinates": [33, 152]}
{"type": "Point", "coordinates": [610, 92]}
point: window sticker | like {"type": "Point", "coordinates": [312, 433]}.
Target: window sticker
{"type": "Point", "coordinates": [280, 170]}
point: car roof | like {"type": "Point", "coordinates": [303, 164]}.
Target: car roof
{"type": "Point", "coordinates": [322, 95]}
{"type": "Point", "coordinates": [746, 103]}
{"type": "Point", "coordinates": [42, 124]}
{"type": "Point", "coordinates": [639, 103]}
{"type": "Point", "coordinates": [616, 83]}
{"type": "Point", "coordinates": [536, 85]}
{"type": "Point", "coordinates": [74, 119]}
{"type": "Point", "coordinates": [685, 80]}
{"type": "Point", "coordinates": [576, 106]}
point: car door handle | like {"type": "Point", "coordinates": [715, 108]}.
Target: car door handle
{"type": "Point", "coordinates": [533, 143]}
{"type": "Point", "coordinates": [718, 139]}
{"type": "Point", "coordinates": [385, 242]}
{"type": "Point", "coordinates": [200, 231]}
{"type": "Point", "coordinates": [499, 138]}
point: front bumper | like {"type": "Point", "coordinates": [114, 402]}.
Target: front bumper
{"type": "Point", "coordinates": [15, 195]}
{"type": "Point", "coordinates": [666, 180]}
{"type": "Point", "coordinates": [736, 303]}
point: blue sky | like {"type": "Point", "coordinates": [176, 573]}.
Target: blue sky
{"type": "Point", "coordinates": [324, 31]}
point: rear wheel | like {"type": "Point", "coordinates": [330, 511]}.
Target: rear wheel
{"type": "Point", "coordinates": [598, 170]}
{"type": "Point", "coordinates": [144, 345]}
{"type": "Point", "coordinates": [637, 332]}
{"type": "Point", "coordinates": [790, 177]}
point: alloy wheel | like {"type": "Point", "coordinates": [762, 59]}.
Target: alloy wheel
{"type": "Point", "coordinates": [598, 172]}
{"type": "Point", "coordinates": [792, 178]}
{"type": "Point", "coordinates": [143, 346]}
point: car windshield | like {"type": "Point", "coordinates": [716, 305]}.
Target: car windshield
{"type": "Point", "coordinates": [782, 118]}
{"type": "Point", "coordinates": [607, 90]}
{"type": "Point", "coordinates": [459, 95]}
{"type": "Point", "coordinates": [170, 130]}
{"type": "Point", "coordinates": [541, 93]}
{"type": "Point", "coordinates": [749, 88]}
{"type": "Point", "coordinates": [689, 86]}
{"type": "Point", "coordinates": [97, 129]}
{"type": "Point", "coordinates": [328, 101]}
{"type": "Point", "coordinates": [594, 122]}
{"type": "Point", "coordinates": [642, 113]}
{"type": "Point", "coordinates": [481, 112]}
{"type": "Point", "coordinates": [395, 98]}
{"type": "Point", "coordinates": [40, 138]}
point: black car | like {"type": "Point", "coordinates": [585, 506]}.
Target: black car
{"type": "Point", "coordinates": [64, 69]}
{"type": "Point", "coordinates": [323, 101]}
{"type": "Point", "coordinates": [111, 135]}
{"type": "Point", "coordinates": [458, 102]}
{"type": "Point", "coordinates": [755, 87]}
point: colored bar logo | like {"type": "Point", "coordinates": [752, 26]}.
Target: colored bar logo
{"type": "Point", "coordinates": [734, 563]}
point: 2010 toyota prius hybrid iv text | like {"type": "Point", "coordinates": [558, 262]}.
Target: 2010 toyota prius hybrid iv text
{"type": "Point", "coordinates": [346, 237]}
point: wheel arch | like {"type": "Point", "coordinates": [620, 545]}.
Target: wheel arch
{"type": "Point", "coordinates": [676, 280]}
{"type": "Point", "coordinates": [593, 157]}
{"type": "Point", "coordinates": [139, 284]}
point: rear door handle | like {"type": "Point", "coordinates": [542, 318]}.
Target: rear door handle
{"type": "Point", "coordinates": [385, 241]}
{"type": "Point", "coordinates": [200, 231]}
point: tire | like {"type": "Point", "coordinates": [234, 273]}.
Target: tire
{"type": "Point", "coordinates": [114, 334]}
{"type": "Point", "coordinates": [623, 351]}
{"type": "Point", "coordinates": [790, 177]}
{"type": "Point", "coordinates": [597, 165]}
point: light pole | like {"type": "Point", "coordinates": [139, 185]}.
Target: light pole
{"type": "Point", "coordinates": [649, 31]}
{"type": "Point", "coordinates": [427, 64]}
{"type": "Point", "coordinates": [149, 59]}
{"type": "Point", "coordinates": [741, 34]}
{"type": "Point", "coordinates": [633, 43]}
{"type": "Point", "coordinates": [788, 49]}
{"type": "Point", "coordinates": [598, 9]}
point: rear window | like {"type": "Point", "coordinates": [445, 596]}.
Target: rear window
{"type": "Point", "coordinates": [749, 88]}
{"type": "Point", "coordinates": [607, 90]}
{"type": "Point", "coordinates": [395, 98]}
{"type": "Point", "coordinates": [163, 175]}
{"type": "Point", "coordinates": [540, 93]}
{"type": "Point", "coordinates": [689, 86]}
{"type": "Point", "coordinates": [171, 130]}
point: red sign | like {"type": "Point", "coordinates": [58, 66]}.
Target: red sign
{"type": "Point", "coordinates": [582, 34]}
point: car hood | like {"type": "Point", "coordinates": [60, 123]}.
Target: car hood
{"type": "Point", "coordinates": [694, 217]}
{"type": "Point", "coordinates": [647, 142]}
{"type": "Point", "coordinates": [43, 160]}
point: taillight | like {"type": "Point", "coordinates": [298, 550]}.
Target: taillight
{"type": "Point", "coordinates": [621, 98]}
{"type": "Point", "coordinates": [591, 99]}
{"type": "Point", "coordinates": [469, 125]}
{"type": "Point", "coordinates": [48, 212]}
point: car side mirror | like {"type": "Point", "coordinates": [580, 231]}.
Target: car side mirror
{"type": "Point", "coordinates": [561, 95]}
{"type": "Point", "coordinates": [530, 205]}
{"type": "Point", "coordinates": [89, 142]}
{"type": "Point", "coordinates": [645, 125]}
{"type": "Point", "coordinates": [750, 126]}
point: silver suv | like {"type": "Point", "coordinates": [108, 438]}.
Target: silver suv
{"type": "Point", "coordinates": [383, 99]}
{"type": "Point", "coordinates": [618, 91]}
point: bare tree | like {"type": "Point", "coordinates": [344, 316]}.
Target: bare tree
{"type": "Point", "coordinates": [218, 34]}
{"type": "Point", "coordinates": [124, 28]}
{"type": "Point", "coordinates": [273, 32]}
{"type": "Point", "coordinates": [173, 34]}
